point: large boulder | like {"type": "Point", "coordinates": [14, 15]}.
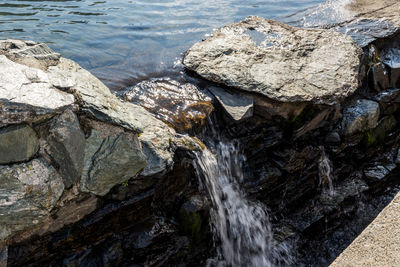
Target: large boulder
{"type": "Point", "coordinates": [28, 192]}
{"type": "Point", "coordinates": [17, 143]}
{"type": "Point", "coordinates": [284, 63]}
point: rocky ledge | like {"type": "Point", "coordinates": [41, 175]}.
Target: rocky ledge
{"type": "Point", "coordinates": [63, 135]}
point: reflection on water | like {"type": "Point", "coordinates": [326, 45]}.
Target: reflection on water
{"type": "Point", "coordinates": [124, 41]}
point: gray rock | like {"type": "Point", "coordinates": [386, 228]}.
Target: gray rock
{"type": "Point", "coordinates": [181, 105]}
{"type": "Point", "coordinates": [361, 116]}
{"type": "Point", "coordinates": [3, 256]}
{"type": "Point", "coordinates": [237, 106]}
{"type": "Point", "coordinates": [30, 86]}
{"type": "Point", "coordinates": [67, 146]}
{"type": "Point", "coordinates": [17, 143]}
{"type": "Point", "coordinates": [284, 63]}
{"type": "Point", "coordinates": [54, 88]}
{"type": "Point", "coordinates": [333, 138]}
{"type": "Point", "coordinates": [32, 54]}
{"type": "Point", "coordinates": [111, 157]}
{"type": "Point", "coordinates": [28, 192]}
{"type": "Point", "coordinates": [376, 173]}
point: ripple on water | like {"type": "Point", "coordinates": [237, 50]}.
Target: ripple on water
{"type": "Point", "coordinates": [124, 41]}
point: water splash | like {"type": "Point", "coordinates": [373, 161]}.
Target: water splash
{"type": "Point", "coordinates": [241, 226]}
{"type": "Point", "coordinates": [325, 172]}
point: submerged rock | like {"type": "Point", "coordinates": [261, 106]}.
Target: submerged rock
{"type": "Point", "coordinates": [360, 117]}
{"type": "Point", "coordinates": [17, 143]}
{"type": "Point", "coordinates": [111, 157]}
{"type": "Point", "coordinates": [182, 106]}
{"type": "Point", "coordinates": [28, 192]}
{"type": "Point", "coordinates": [284, 63]}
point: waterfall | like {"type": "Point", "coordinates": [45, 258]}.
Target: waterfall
{"type": "Point", "coordinates": [325, 172]}
{"type": "Point", "coordinates": [241, 227]}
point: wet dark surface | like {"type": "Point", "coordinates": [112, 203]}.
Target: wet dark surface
{"type": "Point", "coordinates": [123, 42]}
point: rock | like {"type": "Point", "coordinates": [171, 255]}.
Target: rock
{"type": "Point", "coordinates": [3, 256]}
{"type": "Point", "coordinates": [333, 138]}
{"type": "Point", "coordinates": [54, 88]}
{"type": "Point", "coordinates": [380, 77]}
{"type": "Point", "coordinates": [30, 86]}
{"type": "Point", "coordinates": [284, 63]}
{"type": "Point", "coordinates": [67, 146]}
{"type": "Point", "coordinates": [376, 173]}
{"type": "Point", "coordinates": [17, 143]}
{"type": "Point", "coordinates": [272, 110]}
{"type": "Point", "coordinates": [391, 58]}
{"type": "Point", "coordinates": [112, 156]}
{"type": "Point", "coordinates": [97, 100]}
{"type": "Point", "coordinates": [32, 54]}
{"type": "Point", "coordinates": [182, 106]}
{"type": "Point", "coordinates": [28, 192]}
{"type": "Point", "coordinates": [361, 116]}
{"type": "Point", "coordinates": [238, 106]}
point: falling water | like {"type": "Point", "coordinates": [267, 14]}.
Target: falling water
{"type": "Point", "coordinates": [241, 226]}
{"type": "Point", "coordinates": [325, 172]}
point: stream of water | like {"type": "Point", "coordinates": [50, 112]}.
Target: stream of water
{"type": "Point", "coordinates": [242, 229]}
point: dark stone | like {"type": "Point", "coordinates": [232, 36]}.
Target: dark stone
{"type": "Point", "coordinates": [67, 146]}
{"type": "Point", "coordinates": [17, 143]}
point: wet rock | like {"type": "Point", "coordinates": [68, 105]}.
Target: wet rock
{"type": "Point", "coordinates": [332, 138]}
{"type": "Point", "coordinates": [67, 146]}
{"type": "Point", "coordinates": [391, 58]}
{"type": "Point", "coordinates": [385, 126]}
{"type": "Point", "coordinates": [361, 116]}
{"type": "Point", "coordinates": [376, 173]}
{"type": "Point", "coordinates": [17, 143]}
{"type": "Point", "coordinates": [111, 157]}
{"type": "Point", "coordinates": [237, 106]}
{"type": "Point", "coordinates": [182, 106]}
{"type": "Point", "coordinates": [3, 256]}
{"type": "Point", "coordinates": [284, 63]}
{"type": "Point", "coordinates": [32, 54]}
{"type": "Point", "coordinates": [380, 77]}
{"type": "Point", "coordinates": [28, 192]}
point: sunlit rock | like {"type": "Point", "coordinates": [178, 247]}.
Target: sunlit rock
{"type": "Point", "coordinates": [283, 63]}
{"type": "Point", "coordinates": [183, 106]}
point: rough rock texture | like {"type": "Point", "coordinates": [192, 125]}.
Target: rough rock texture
{"type": "Point", "coordinates": [111, 157]}
{"type": "Point", "coordinates": [30, 86]}
{"type": "Point", "coordinates": [67, 146]}
{"type": "Point", "coordinates": [378, 244]}
{"type": "Point", "coordinates": [28, 192]}
{"type": "Point", "coordinates": [284, 63]}
{"type": "Point", "coordinates": [237, 106]}
{"type": "Point", "coordinates": [17, 143]}
{"type": "Point", "coordinates": [182, 106]}
{"type": "Point", "coordinates": [360, 117]}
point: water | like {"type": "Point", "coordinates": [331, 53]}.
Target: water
{"type": "Point", "coordinates": [123, 42]}
{"type": "Point", "coordinates": [325, 173]}
{"type": "Point", "coordinates": [242, 227]}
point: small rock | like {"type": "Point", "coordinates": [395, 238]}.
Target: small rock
{"type": "Point", "coordinates": [17, 143]}
{"type": "Point", "coordinates": [238, 106]}
{"type": "Point", "coordinates": [333, 138]}
{"type": "Point", "coordinates": [376, 173]}
{"type": "Point", "coordinates": [380, 77]}
{"type": "Point", "coordinates": [111, 157]}
{"type": "Point", "coordinates": [67, 146]}
{"type": "Point", "coordinates": [362, 116]}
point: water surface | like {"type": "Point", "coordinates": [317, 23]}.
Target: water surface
{"type": "Point", "coordinates": [123, 42]}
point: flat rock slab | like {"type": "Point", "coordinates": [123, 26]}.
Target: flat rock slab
{"type": "Point", "coordinates": [378, 244]}
{"type": "Point", "coordinates": [284, 63]}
